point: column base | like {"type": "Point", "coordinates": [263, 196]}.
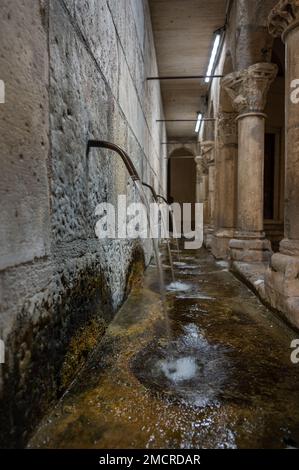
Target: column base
{"type": "Point", "coordinates": [250, 249]}
{"type": "Point", "coordinates": [220, 243]}
{"type": "Point", "coordinates": [282, 286]}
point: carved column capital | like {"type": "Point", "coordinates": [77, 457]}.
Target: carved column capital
{"type": "Point", "coordinates": [201, 165]}
{"type": "Point", "coordinates": [227, 128]}
{"type": "Point", "coordinates": [207, 151]}
{"type": "Point", "coordinates": [283, 17]}
{"type": "Point", "coordinates": [248, 88]}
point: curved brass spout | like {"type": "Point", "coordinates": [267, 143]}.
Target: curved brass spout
{"type": "Point", "coordinates": [163, 198]}
{"type": "Point", "coordinates": [155, 196]}
{"type": "Point", "coordinates": [124, 156]}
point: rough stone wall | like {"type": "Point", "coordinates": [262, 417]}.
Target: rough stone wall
{"type": "Point", "coordinates": [74, 70]}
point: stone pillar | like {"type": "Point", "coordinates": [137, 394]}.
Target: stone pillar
{"type": "Point", "coordinates": [198, 162]}
{"type": "Point", "coordinates": [202, 188]}
{"type": "Point", "coordinates": [248, 90]}
{"type": "Point", "coordinates": [226, 197]}
{"type": "Point", "coordinates": [282, 278]}
{"type": "Point", "coordinates": [208, 156]}
{"type": "Point", "coordinates": [202, 184]}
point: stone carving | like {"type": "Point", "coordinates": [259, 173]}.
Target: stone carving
{"type": "Point", "coordinates": [201, 165]}
{"type": "Point", "coordinates": [207, 152]}
{"type": "Point", "coordinates": [227, 128]}
{"type": "Point", "coordinates": [282, 16]}
{"type": "Point", "coordinates": [248, 88]}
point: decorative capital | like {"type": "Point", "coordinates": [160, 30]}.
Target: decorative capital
{"type": "Point", "coordinates": [283, 16]}
{"type": "Point", "coordinates": [201, 166]}
{"type": "Point", "coordinates": [207, 151]}
{"type": "Point", "coordinates": [227, 128]}
{"type": "Point", "coordinates": [248, 88]}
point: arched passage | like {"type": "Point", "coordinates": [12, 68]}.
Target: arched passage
{"type": "Point", "coordinates": [182, 177]}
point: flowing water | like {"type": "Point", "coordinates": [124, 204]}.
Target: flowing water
{"type": "Point", "coordinates": [170, 260]}
{"type": "Point", "coordinates": [165, 228]}
{"type": "Point", "coordinates": [225, 380]}
{"type": "Point", "coordinates": [159, 264]}
{"type": "Point", "coordinates": [164, 223]}
{"type": "Point", "coordinates": [174, 230]}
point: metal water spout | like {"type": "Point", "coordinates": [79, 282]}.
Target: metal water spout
{"type": "Point", "coordinates": [155, 195]}
{"type": "Point", "coordinates": [163, 198]}
{"type": "Point", "coordinates": [124, 156]}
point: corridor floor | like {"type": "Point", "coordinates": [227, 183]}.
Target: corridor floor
{"type": "Point", "coordinates": [225, 381]}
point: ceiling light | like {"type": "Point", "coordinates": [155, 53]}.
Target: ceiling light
{"type": "Point", "coordinates": [198, 123]}
{"type": "Point", "coordinates": [213, 57]}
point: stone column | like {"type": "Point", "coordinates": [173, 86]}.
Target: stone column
{"type": "Point", "coordinates": [248, 90]}
{"type": "Point", "coordinates": [201, 180]}
{"type": "Point", "coordinates": [208, 156]}
{"type": "Point", "coordinates": [282, 278]}
{"type": "Point", "coordinates": [226, 197]}
{"type": "Point", "coordinates": [202, 186]}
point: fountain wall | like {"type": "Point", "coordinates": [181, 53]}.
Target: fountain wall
{"type": "Point", "coordinates": [73, 71]}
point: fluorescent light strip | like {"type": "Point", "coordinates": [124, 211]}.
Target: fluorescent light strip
{"type": "Point", "coordinates": [198, 124]}
{"type": "Point", "coordinates": [213, 57]}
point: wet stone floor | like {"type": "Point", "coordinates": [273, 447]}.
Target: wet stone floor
{"type": "Point", "coordinates": [224, 379]}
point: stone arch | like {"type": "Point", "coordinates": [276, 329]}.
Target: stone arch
{"type": "Point", "coordinates": [179, 149]}
{"type": "Point", "coordinates": [185, 150]}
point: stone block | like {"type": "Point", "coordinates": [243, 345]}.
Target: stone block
{"type": "Point", "coordinates": [250, 251]}
{"type": "Point", "coordinates": [24, 127]}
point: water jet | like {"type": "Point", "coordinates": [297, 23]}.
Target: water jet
{"type": "Point", "coordinates": [155, 197]}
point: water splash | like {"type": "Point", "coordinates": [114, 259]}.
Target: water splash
{"type": "Point", "coordinates": [178, 370]}
{"type": "Point", "coordinates": [189, 369]}
{"type": "Point", "coordinates": [179, 286]}
{"type": "Point", "coordinates": [222, 264]}
{"type": "Point", "coordinates": [180, 264]}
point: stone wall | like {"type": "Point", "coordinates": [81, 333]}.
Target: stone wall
{"type": "Point", "coordinates": [74, 70]}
